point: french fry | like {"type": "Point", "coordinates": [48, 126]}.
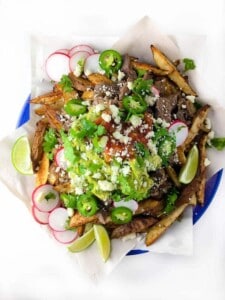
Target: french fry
{"type": "Point", "coordinates": [48, 98]}
{"type": "Point", "coordinates": [173, 175]}
{"type": "Point", "coordinates": [88, 95]}
{"type": "Point", "coordinates": [42, 173]}
{"type": "Point", "coordinates": [164, 63]}
{"type": "Point", "coordinates": [78, 220]}
{"type": "Point", "coordinates": [147, 67]}
{"type": "Point", "coordinates": [151, 206]}
{"type": "Point", "coordinates": [160, 227]}
{"type": "Point", "coordinates": [97, 78]}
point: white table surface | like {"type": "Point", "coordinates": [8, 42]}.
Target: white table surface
{"type": "Point", "coordinates": [30, 266]}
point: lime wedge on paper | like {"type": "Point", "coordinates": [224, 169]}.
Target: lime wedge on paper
{"type": "Point", "coordinates": [20, 156]}
{"type": "Point", "coordinates": [103, 241]}
{"type": "Point", "coordinates": [83, 242]}
{"type": "Point", "coordinates": [189, 170]}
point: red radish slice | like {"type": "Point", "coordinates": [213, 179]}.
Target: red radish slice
{"type": "Point", "coordinates": [58, 218]}
{"type": "Point", "coordinates": [131, 204]}
{"type": "Point", "coordinates": [65, 237]}
{"type": "Point", "coordinates": [92, 65]}
{"type": "Point", "coordinates": [79, 48]}
{"type": "Point", "coordinates": [180, 129]}
{"type": "Point", "coordinates": [57, 64]}
{"type": "Point", "coordinates": [45, 198]}
{"type": "Point", "coordinates": [77, 62]}
{"type": "Point", "coordinates": [63, 51]}
{"type": "Point", "coordinates": [40, 216]}
{"type": "Point", "coordinates": [60, 159]}
{"type": "Point", "coordinates": [155, 91]}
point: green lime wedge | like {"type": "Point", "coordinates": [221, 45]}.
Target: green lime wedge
{"type": "Point", "coordinates": [189, 170]}
{"type": "Point", "coordinates": [83, 242]}
{"type": "Point", "coordinates": [103, 241]}
{"type": "Point", "coordinates": [20, 156]}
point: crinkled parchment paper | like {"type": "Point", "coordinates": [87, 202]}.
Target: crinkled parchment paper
{"type": "Point", "coordinates": [178, 239]}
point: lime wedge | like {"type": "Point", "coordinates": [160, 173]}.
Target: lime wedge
{"type": "Point", "coordinates": [189, 170]}
{"type": "Point", "coordinates": [103, 241]}
{"type": "Point", "coordinates": [20, 156]}
{"type": "Point", "coordinates": [83, 242]}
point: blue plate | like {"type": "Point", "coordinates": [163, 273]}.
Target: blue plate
{"type": "Point", "coordinates": [198, 211]}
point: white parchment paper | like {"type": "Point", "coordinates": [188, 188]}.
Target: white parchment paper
{"type": "Point", "coordinates": [178, 239]}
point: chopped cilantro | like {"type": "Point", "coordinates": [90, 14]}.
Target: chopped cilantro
{"type": "Point", "coordinates": [66, 83]}
{"type": "Point", "coordinates": [142, 87]}
{"type": "Point", "coordinates": [141, 72]}
{"type": "Point", "coordinates": [68, 148]}
{"type": "Point", "coordinates": [171, 200]}
{"type": "Point", "coordinates": [69, 200]}
{"type": "Point", "coordinates": [50, 195]}
{"type": "Point", "coordinates": [218, 143]}
{"type": "Point", "coordinates": [189, 64]}
{"type": "Point", "coordinates": [50, 140]}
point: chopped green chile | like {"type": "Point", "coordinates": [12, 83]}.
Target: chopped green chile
{"type": "Point", "coordinates": [134, 104]}
{"type": "Point", "coordinates": [74, 107]}
{"type": "Point", "coordinates": [110, 61]}
{"type": "Point", "coordinates": [87, 206]}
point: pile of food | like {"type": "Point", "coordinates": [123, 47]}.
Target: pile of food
{"type": "Point", "coordinates": [120, 146]}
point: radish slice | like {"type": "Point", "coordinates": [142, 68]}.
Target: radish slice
{"type": "Point", "coordinates": [92, 65]}
{"type": "Point", "coordinates": [131, 204]}
{"type": "Point", "coordinates": [40, 216]}
{"type": "Point", "coordinates": [60, 159]}
{"type": "Point", "coordinates": [77, 61]}
{"type": "Point", "coordinates": [65, 237]}
{"type": "Point", "coordinates": [79, 48]}
{"type": "Point", "coordinates": [58, 218]}
{"type": "Point", "coordinates": [62, 51]}
{"type": "Point", "coordinates": [57, 64]}
{"type": "Point", "coordinates": [155, 91]}
{"type": "Point", "coordinates": [45, 198]}
{"type": "Point", "coordinates": [180, 129]}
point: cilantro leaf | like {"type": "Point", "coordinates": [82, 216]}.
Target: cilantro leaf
{"type": "Point", "coordinates": [189, 64]}
{"type": "Point", "coordinates": [171, 200]}
{"type": "Point", "coordinates": [66, 83]}
{"type": "Point", "coordinates": [50, 140]}
{"type": "Point", "coordinates": [218, 143]}
{"type": "Point", "coordinates": [68, 148]}
{"type": "Point", "coordinates": [142, 87]}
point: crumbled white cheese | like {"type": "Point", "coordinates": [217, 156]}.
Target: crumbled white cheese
{"type": "Point", "coordinates": [114, 110]}
{"type": "Point", "coordinates": [97, 175]}
{"type": "Point", "coordinates": [191, 98]}
{"type": "Point", "coordinates": [162, 122]}
{"type": "Point", "coordinates": [129, 236]}
{"type": "Point", "coordinates": [208, 124]}
{"type": "Point", "coordinates": [99, 107]}
{"type": "Point", "coordinates": [70, 211]}
{"type": "Point", "coordinates": [150, 134]}
{"type": "Point", "coordinates": [211, 134]}
{"type": "Point", "coordinates": [106, 117]}
{"type": "Point", "coordinates": [207, 162]}
{"type": "Point", "coordinates": [130, 85]}
{"type": "Point", "coordinates": [135, 121]}
{"type": "Point", "coordinates": [78, 191]}
{"type": "Point", "coordinates": [152, 147]}
{"type": "Point", "coordinates": [105, 185]}
{"type": "Point", "coordinates": [150, 100]}
{"type": "Point", "coordinates": [120, 75]}
{"type": "Point", "coordinates": [125, 170]}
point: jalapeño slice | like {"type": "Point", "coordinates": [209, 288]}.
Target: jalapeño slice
{"type": "Point", "coordinates": [74, 107]}
{"type": "Point", "coordinates": [110, 61]}
{"type": "Point", "coordinates": [121, 215]}
{"type": "Point", "coordinates": [134, 104]}
{"type": "Point", "coordinates": [87, 206]}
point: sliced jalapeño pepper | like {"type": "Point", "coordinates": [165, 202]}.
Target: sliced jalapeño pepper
{"type": "Point", "coordinates": [134, 104]}
{"type": "Point", "coordinates": [87, 206]}
{"type": "Point", "coordinates": [74, 107]}
{"type": "Point", "coordinates": [121, 215]}
{"type": "Point", "coordinates": [110, 61]}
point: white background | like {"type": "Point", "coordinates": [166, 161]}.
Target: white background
{"type": "Point", "coordinates": [30, 266]}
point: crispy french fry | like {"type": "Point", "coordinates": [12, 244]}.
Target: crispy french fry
{"type": "Point", "coordinates": [42, 173]}
{"type": "Point", "coordinates": [159, 228]}
{"type": "Point", "coordinates": [77, 220]}
{"type": "Point", "coordinates": [164, 63]}
{"type": "Point", "coordinates": [151, 206]}
{"type": "Point", "coordinates": [147, 67]}
{"type": "Point", "coordinates": [53, 118]}
{"type": "Point", "coordinates": [97, 78]}
{"type": "Point", "coordinates": [88, 95]}
{"type": "Point", "coordinates": [196, 125]}
{"type": "Point", "coordinates": [202, 169]}
{"type": "Point", "coordinates": [48, 98]}
{"type": "Point", "coordinates": [173, 175]}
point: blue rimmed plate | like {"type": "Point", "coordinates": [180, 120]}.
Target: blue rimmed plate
{"type": "Point", "coordinates": [198, 211]}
